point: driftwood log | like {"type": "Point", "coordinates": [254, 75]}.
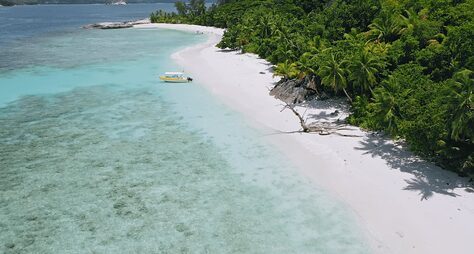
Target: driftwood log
{"type": "Point", "coordinates": [322, 129]}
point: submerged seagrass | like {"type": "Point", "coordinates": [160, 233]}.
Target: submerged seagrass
{"type": "Point", "coordinates": [124, 175]}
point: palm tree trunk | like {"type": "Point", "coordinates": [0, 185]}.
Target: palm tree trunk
{"type": "Point", "coordinates": [348, 97]}
{"type": "Point", "coordinates": [371, 91]}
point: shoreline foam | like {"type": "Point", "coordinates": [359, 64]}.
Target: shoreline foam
{"type": "Point", "coordinates": [405, 205]}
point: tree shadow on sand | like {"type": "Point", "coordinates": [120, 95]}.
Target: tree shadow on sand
{"type": "Point", "coordinates": [427, 179]}
{"type": "Point", "coordinates": [329, 110]}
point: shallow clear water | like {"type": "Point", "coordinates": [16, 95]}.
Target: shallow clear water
{"type": "Point", "coordinates": [96, 156]}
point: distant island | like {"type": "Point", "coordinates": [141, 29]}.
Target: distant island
{"type": "Point", "coordinates": [21, 2]}
{"type": "Point", "coordinates": [6, 3]}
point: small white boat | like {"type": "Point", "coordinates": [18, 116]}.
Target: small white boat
{"type": "Point", "coordinates": [175, 77]}
{"type": "Point", "coordinates": [119, 2]}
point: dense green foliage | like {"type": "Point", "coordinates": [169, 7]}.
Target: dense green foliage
{"type": "Point", "coordinates": [405, 65]}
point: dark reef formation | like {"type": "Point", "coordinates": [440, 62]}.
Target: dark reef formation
{"type": "Point", "coordinates": [116, 25]}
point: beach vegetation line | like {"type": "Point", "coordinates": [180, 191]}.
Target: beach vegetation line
{"type": "Point", "coordinates": [405, 66]}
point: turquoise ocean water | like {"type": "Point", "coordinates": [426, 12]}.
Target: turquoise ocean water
{"type": "Point", "coordinates": [97, 156]}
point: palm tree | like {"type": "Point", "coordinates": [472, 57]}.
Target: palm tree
{"type": "Point", "coordinates": [463, 114]}
{"type": "Point", "coordinates": [305, 64]}
{"type": "Point", "coordinates": [385, 28]}
{"type": "Point", "coordinates": [286, 69]}
{"type": "Point", "coordinates": [316, 45]}
{"type": "Point", "coordinates": [243, 35]}
{"type": "Point", "coordinates": [363, 70]}
{"type": "Point", "coordinates": [355, 39]}
{"type": "Point", "coordinates": [265, 25]}
{"type": "Point", "coordinates": [385, 105]}
{"type": "Point", "coordinates": [334, 75]}
{"type": "Point", "coordinates": [410, 20]}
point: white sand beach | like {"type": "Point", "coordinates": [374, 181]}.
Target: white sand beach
{"type": "Point", "coordinates": [404, 204]}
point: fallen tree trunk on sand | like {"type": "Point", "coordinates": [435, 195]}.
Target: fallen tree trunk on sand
{"type": "Point", "coordinates": [322, 129]}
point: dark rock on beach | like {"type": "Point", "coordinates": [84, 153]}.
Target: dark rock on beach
{"type": "Point", "coordinates": [295, 90]}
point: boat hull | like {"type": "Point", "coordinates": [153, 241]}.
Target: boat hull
{"type": "Point", "coordinates": [175, 80]}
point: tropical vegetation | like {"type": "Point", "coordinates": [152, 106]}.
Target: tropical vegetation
{"type": "Point", "coordinates": [406, 66]}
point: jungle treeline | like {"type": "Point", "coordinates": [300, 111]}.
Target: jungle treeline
{"type": "Point", "coordinates": [406, 66]}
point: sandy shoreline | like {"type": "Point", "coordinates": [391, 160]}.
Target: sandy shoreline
{"type": "Point", "coordinates": [404, 204]}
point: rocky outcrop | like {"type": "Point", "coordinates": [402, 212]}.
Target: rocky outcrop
{"type": "Point", "coordinates": [116, 25]}
{"type": "Point", "coordinates": [293, 91]}
{"type": "Point", "coordinates": [108, 25]}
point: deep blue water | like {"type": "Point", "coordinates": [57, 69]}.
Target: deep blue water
{"type": "Point", "coordinates": [27, 21]}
